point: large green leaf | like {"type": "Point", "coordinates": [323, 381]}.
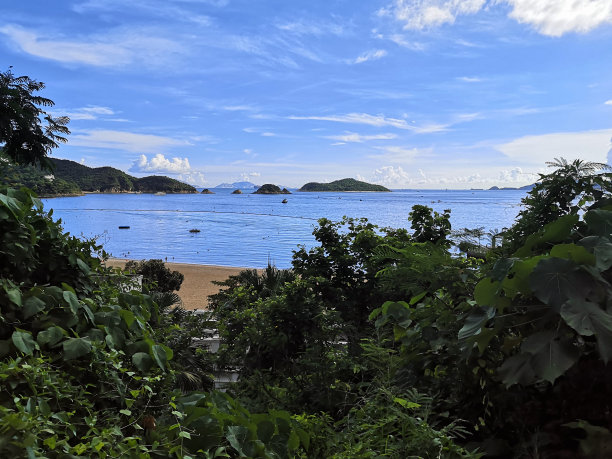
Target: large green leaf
{"type": "Point", "coordinates": [24, 342]}
{"type": "Point", "coordinates": [50, 336]}
{"type": "Point", "coordinates": [556, 280]}
{"type": "Point", "coordinates": [76, 347]}
{"type": "Point", "coordinates": [599, 222]}
{"type": "Point", "coordinates": [554, 232]}
{"type": "Point", "coordinates": [161, 354]}
{"type": "Point", "coordinates": [576, 253]}
{"type": "Point", "coordinates": [602, 248]}
{"type": "Point", "coordinates": [517, 370]}
{"type": "Point", "coordinates": [589, 319]}
{"type": "Point", "coordinates": [32, 305]}
{"type": "Point", "coordinates": [518, 279]}
{"type": "Point", "coordinates": [486, 292]}
{"type": "Point", "coordinates": [551, 356]}
{"type": "Point", "coordinates": [475, 321]}
{"type": "Point", "coordinates": [238, 438]}
{"type": "Point", "coordinates": [72, 301]}
{"type": "Point", "coordinates": [142, 361]}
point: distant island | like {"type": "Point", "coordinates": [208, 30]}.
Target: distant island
{"type": "Point", "coordinates": [70, 178]}
{"type": "Point", "coordinates": [207, 191]}
{"type": "Point", "coordinates": [347, 184]}
{"type": "Point", "coordinates": [269, 188]}
{"type": "Point", "coordinates": [240, 185]}
{"type": "Point", "coordinates": [526, 187]}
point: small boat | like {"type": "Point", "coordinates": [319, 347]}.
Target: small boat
{"type": "Point", "coordinates": [194, 230]}
{"type": "Point", "coordinates": [160, 193]}
{"type": "Point", "coordinates": [284, 201]}
{"type": "Point", "coordinates": [124, 227]}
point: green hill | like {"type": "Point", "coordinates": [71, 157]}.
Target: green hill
{"type": "Point", "coordinates": [347, 184]}
{"type": "Point", "coordinates": [41, 182]}
{"type": "Point", "coordinates": [111, 180]}
{"type": "Point", "coordinates": [269, 188]}
{"type": "Point", "coordinates": [71, 178]}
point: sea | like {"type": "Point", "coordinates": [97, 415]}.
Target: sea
{"type": "Point", "coordinates": [251, 230]}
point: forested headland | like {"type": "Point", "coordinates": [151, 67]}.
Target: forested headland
{"type": "Point", "coordinates": [378, 342]}
{"type": "Point", "coordinates": [67, 177]}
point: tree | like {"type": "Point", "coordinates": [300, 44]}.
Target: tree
{"type": "Point", "coordinates": [27, 132]}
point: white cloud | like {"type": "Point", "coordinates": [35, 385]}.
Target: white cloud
{"type": "Point", "coordinates": [247, 151]}
{"type": "Point", "coordinates": [358, 138]}
{"type": "Point", "coordinates": [370, 56]}
{"type": "Point", "coordinates": [268, 134]}
{"type": "Point", "coordinates": [160, 164]}
{"type": "Point", "coordinates": [548, 17]}
{"type": "Point", "coordinates": [469, 79]}
{"type": "Point", "coordinates": [390, 176]}
{"type": "Point", "coordinates": [193, 178]}
{"type": "Point", "coordinates": [516, 175]}
{"type": "Point", "coordinates": [608, 102]}
{"type": "Point", "coordinates": [117, 48]}
{"type": "Point", "coordinates": [422, 14]}
{"type": "Point", "coordinates": [121, 140]}
{"type": "Point", "coordinates": [556, 17]}
{"type": "Point", "coordinates": [537, 149]}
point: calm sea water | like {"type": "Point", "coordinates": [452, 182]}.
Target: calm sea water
{"type": "Point", "coordinates": [248, 230]}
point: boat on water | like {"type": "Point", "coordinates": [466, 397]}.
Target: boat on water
{"type": "Point", "coordinates": [160, 193]}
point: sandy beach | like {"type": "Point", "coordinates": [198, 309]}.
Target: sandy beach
{"type": "Point", "coordinates": [198, 283]}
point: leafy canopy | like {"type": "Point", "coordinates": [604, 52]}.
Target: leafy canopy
{"type": "Point", "coordinates": [27, 132]}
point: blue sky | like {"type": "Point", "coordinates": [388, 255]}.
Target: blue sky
{"type": "Point", "coordinates": [409, 94]}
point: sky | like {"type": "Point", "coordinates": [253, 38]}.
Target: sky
{"type": "Point", "coordinates": [420, 94]}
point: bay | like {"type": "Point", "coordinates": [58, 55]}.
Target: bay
{"type": "Point", "coordinates": [248, 230]}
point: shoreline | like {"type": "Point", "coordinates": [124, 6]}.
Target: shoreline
{"type": "Point", "coordinates": [198, 282]}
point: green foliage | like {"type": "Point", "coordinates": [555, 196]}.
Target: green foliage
{"type": "Point", "coordinates": [430, 226]}
{"type": "Point", "coordinates": [156, 275]}
{"type": "Point", "coordinates": [36, 179]}
{"type": "Point", "coordinates": [566, 191]}
{"type": "Point", "coordinates": [23, 136]}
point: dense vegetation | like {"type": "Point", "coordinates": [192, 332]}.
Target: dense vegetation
{"type": "Point", "coordinates": [269, 188]}
{"type": "Point", "coordinates": [347, 184]}
{"type": "Point", "coordinates": [71, 178]}
{"type": "Point", "coordinates": [40, 181]}
{"type": "Point", "coordinates": [378, 342]}
{"type": "Point", "coordinates": [109, 179]}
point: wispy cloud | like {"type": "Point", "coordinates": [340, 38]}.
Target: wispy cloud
{"type": "Point", "coordinates": [467, 79]}
{"type": "Point", "coordinates": [313, 27]}
{"type": "Point", "coordinates": [370, 56]}
{"type": "Point", "coordinates": [430, 13]}
{"type": "Point", "coordinates": [116, 48]}
{"type": "Point", "coordinates": [358, 138]}
{"type": "Point", "coordinates": [382, 121]}
{"type": "Point", "coordinates": [548, 17]}
{"type": "Point", "coordinates": [91, 112]}
{"type": "Point", "coordinates": [608, 102]}
{"type": "Point", "coordinates": [122, 140]}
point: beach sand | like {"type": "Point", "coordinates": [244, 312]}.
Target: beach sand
{"type": "Point", "coordinates": [198, 280]}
